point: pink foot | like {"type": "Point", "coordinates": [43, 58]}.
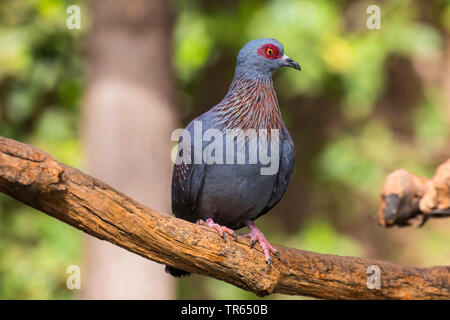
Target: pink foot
{"type": "Point", "coordinates": [221, 230]}
{"type": "Point", "coordinates": [257, 236]}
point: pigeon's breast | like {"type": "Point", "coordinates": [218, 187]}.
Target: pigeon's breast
{"type": "Point", "coordinates": [239, 187]}
{"type": "Point", "coordinates": [232, 194]}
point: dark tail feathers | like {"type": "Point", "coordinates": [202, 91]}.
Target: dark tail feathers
{"type": "Point", "coordinates": [176, 272]}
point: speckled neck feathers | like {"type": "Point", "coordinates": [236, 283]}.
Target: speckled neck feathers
{"type": "Point", "coordinates": [249, 104]}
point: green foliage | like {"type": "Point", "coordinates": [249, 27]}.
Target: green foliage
{"type": "Point", "coordinates": [432, 130]}
{"type": "Point", "coordinates": [40, 91]}
{"type": "Point", "coordinates": [321, 236]}
{"type": "Point", "coordinates": [35, 252]}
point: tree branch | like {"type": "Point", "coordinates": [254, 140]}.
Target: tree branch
{"type": "Point", "coordinates": [406, 197]}
{"type": "Point", "coordinates": [35, 178]}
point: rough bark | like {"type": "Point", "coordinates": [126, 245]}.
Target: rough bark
{"type": "Point", "coordinates": [406, 197]}
{"type": "Point", "coordinates": [35, 178]}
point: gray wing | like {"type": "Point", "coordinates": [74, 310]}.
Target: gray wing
{"type": "Point", "coordinates": [287, 162]}
{"type": "Point", "coordinates": [187, 183]}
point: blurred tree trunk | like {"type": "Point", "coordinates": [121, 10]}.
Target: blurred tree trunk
{"type": "Point", "coordinates": [128, 106]}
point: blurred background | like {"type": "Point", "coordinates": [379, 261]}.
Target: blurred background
{"type": "Point", "coordinates": [105, 99]}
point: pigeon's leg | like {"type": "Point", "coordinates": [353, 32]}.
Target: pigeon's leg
{"type": "Point", "coordinates": [221, 230]}
{"type": "Point", "coordinates": [257, 236]}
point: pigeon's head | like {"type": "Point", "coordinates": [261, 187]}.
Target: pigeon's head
{"type": "Point", "coordinates": [262, 57]}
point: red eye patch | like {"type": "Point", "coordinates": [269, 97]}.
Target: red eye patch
{"type": "Point", "coordinates": [269, 51]}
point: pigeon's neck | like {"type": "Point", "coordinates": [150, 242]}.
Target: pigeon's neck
{"type": "Point", "coordinates": [251, 103]}
{"type": "Point", "coordinates": [253, 72]}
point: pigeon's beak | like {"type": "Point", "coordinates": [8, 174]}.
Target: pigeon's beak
{"type": "Point", "coordinates": [288, 62]}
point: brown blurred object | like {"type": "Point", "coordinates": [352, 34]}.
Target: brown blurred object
{"type": "Point", "coordinates": [406, 197]}
{"type": "Point", "coordinates": [129, 106]}
{"type": "Point", "coordinates": [437, 197]}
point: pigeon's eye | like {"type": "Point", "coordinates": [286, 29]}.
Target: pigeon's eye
{"type": "Point", "coordinates": [269, 51]}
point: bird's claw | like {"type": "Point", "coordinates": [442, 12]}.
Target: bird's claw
{"type": "Point", "coordinates": [277, 253]}
{"type": "Point", "coordinates": [256, 236]}
{"type": "Point", "coordinates": [221, 230]}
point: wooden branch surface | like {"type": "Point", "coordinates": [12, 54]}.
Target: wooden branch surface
{"type": "Point", "coordinates": [35, 178]}
{"type": "Point", "coordinates": [406, 197]}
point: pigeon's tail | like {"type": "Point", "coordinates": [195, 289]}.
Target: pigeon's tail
{"type": "Point", "coordinates": [176, 272]}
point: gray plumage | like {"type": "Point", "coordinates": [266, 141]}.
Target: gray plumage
{"type": "Point", "coordinates": [234, 194]}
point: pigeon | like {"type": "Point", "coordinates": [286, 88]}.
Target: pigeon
{"type": "Point", "coordinates": [214, 188]}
